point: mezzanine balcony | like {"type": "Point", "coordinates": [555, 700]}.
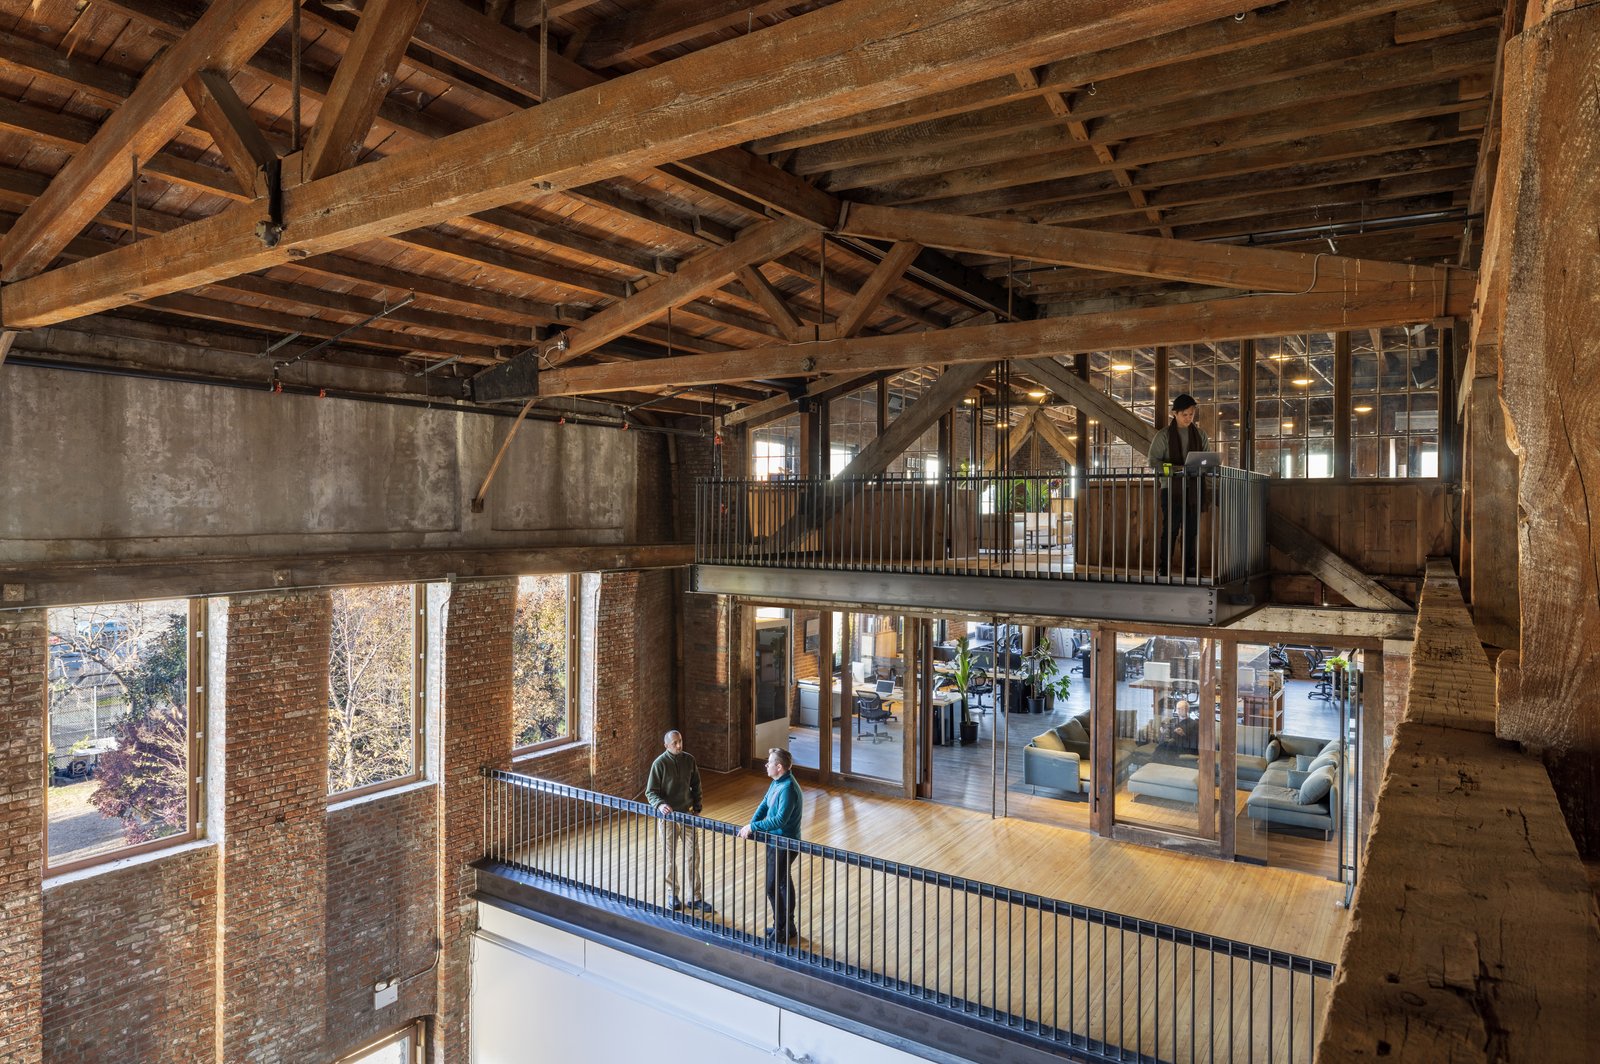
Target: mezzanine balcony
{"type": "Point", "coordinates": [1073, 545]}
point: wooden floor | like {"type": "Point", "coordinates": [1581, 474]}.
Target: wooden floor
{"type": "Point", "coordinates": [1264, 906]}
{"type": "Point", "coordinates": [1097, 980]}
{"type": "Point", "coordinates": [965, 776]}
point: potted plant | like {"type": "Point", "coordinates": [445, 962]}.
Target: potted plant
{"type": "Point", "coordinates": [1044, 676]}
{"type": "Point", "coordinates": [961, 671]}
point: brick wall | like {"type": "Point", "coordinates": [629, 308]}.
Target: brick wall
{"type": "Point", "coordinates": [130, 963]}
{"type": "Point", "coordinates": [709, 719]}
{"type": "Point", "coordinates": [22, 669]}
{"type": "Point", "coordinates": [275, 820]}
{"type": "Point", "coordinates": [477, 732]}
{"type": "Point", "coordinates": [382, 914]}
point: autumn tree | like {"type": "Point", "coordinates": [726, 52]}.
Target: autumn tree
{"type": "Point", "coordinates": [539, 660]}
{"type": "Point", "coordinates": [144, 780]}
{"type": "Point", "coordinates": [371, 721]}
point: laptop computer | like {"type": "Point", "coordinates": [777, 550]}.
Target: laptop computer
{"type": "Point", "coordinates": [1198, 461]}
{"type": "Point", "coordinates": [885, 688]}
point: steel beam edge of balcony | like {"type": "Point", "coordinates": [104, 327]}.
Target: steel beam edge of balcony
{"type": "Point", "coordinates": [836, 1000]}
{"type": "Point", "coordinates": [1091, 600]}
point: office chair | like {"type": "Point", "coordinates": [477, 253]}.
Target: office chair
{"type": "Point", "coordinates": [978, 686]}
{"type": "Point", "coordinates": [869, 709]}
{"type": "Point", "coordinates": [886, 695]}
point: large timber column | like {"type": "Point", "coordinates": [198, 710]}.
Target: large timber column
{"type": "Point", "coordinates": [1546, 198]}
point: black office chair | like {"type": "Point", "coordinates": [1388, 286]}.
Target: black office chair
{"type": "Point", "coordinates": [869, 709]}
{"type": "Point", "coordinates": [1323, 677]}
{"type": "Point", "coordinates": [979, 685]}
{"type": "Point", "coordinates": [886, 694]}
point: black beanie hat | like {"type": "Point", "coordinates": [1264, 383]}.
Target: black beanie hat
{"type": "Point", "coordinates": [1183, 402]}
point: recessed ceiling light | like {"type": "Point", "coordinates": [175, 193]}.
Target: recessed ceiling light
{"type": "Point", "coordinates": [1363, 409]}
{"type": "Point", "coordinates": [1122, 367]}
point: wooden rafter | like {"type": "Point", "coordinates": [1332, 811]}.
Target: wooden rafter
{"type": "Point", "coordinates": [360, 83]}
{"type": "Point", "coordinates": [238, 138]}
{"type": "Point", "coordinates": [865, 301]}
{"type": "Point", "coordinates": [224, 37]}
{"type": "Point", "coordinates": [1377, 303]}
{"type": "Point", "coordinates": [771, 300]}
{"type": "Point", "coordinates": [722, 95]}
{"type": "Point", "coordinates": [1051, 433]}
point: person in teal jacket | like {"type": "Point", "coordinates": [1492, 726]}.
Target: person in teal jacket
{"type": "Point", "coordinates": [779, 814]}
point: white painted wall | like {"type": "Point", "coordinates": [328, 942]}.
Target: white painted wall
{"type": "Point", "coordinates": [542, 995]}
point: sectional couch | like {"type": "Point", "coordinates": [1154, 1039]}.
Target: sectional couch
{"type": "Point", "coordinates": [1296, 784]}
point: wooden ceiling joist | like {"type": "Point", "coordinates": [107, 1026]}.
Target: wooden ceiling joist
{"type": "Point", "coordinates": [225, 36]}
{"type": "Point", "coordinates": [359, 86]}
{"type": "Point", "coordinates": [719, 96]}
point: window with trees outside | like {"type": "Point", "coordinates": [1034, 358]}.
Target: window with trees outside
{"type": "Point", "coordinates": [376, 650]}
{"type": "Point", "coordinates": [123, 748]}
{"type": "Point", "coordinates": [542, 659]}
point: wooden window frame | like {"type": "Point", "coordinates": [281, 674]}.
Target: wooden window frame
{"type": "Point", "coordinates": [419, 704]}
{"type": "Point", "coordinates": [416, 1030]}
{"type": "Point", "coordinates": [574, 630]}
{"type": "Point", "coordinates": [195, 710]}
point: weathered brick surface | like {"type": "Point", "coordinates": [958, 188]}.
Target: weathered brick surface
{"type": "Point", "coordinates": [636, 702]}
{"type": "Point", "coordinates": [382, 914]}
{"type": "Point", "coordinates": [477, 732]}
{"type": "Point", "coordinates": [709, 725]}
{"type": "Point", "coordinates": [22, 668]}
{"type": "Point", "coordinates": [130, 963]}
{"type": "Point", "coordinates": [275, 827]}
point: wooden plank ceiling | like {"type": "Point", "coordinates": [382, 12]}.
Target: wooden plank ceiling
{"type": "Point", "coordinates": [1344, 130]}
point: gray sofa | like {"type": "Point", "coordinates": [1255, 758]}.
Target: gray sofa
{"type": "Point", "coordinates": [1290, 796]}
{"type": "Point", "coordinates": [1058, 759]}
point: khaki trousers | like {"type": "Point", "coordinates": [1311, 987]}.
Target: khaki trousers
{"type": "Point", "coordinates": [681, 839]}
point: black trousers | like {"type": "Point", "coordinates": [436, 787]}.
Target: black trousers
{"type": "Point", "coordinates": [781, 890]}
{"type": "Point", "coordinates": [1180, 516]}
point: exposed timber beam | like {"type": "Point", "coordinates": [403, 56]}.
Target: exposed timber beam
{"type": "Point", "coordinates": [866, 300]}
{"type": "Point", "coordinates": [238, 138]}
{"type": "Point", "coordinates": [1046, 427]}
{"type": "Point", "coordinates": [1378, 303]}
{"type": "Point", "coordinates": [1017, 437]}
{"type": "Point", "coordinates": [954, 383]}
{"type": "Point", "coordinates": [701, 274]}
{"type": "Point", "coordinates": [362, 80]}
{"type": "Point", "coordinates": [1118, 419]}
{"type": "Point", "coordinates": [769, 299]}
{"type": "Point", "coordinates": [1330, 567]}
{"type": "Point", "coordinates": [723, 95]}
{"type": "Point", "coordinates": [225, 36]}
{"type": "Point", "coordinates": [668, 22]}
{"type": "Point", "coordinates": [1230, 266]}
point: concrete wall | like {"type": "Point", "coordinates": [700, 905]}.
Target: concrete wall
{"type": "Point", "coordinates": [102, 467]}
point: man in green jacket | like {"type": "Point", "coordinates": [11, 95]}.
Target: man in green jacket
{"type": "Point", "coordinates": [674, 787]}
{"type": "Point", "coordinates": [779, 814]}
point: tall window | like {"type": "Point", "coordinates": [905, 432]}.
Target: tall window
{"type": "Point", "coordinates": [1394, 402]}
{"type": "Point", "coordinates": [375, 688]}
{"type": "Point", "coordinates": [122, 754]}
{"type": "Point", "coordinates": [775, 449]}
{"type": "Point", "coordinates": [542, 657]}
{"type": "Point", "coordinates": [1129, 378]}
{"type": "Point", "coordinates": [1210, 373]}
{"type": "Point", "coordinates": [921, 458]}
{"type": "Point", "coordinates": [1294, 405]}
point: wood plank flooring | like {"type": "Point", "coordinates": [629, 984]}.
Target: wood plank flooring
{"type": "Point", "coordinates": [1100, 981]}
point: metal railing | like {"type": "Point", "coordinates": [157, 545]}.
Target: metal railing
{"type": "Point", "coordinates": [1044, 971]}
{"type": "Point", "coordinates": [1105, 526]}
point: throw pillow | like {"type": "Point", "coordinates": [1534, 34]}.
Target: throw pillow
{"type": "Point", "coordinates": [1072, 732]}
{"type": "Point", "coordinates": [1302, 762]}
{"type": "Point", "coordinates": [1316, 787]}
{"type": "Point", "coordinates": [1331, 747]}
{"type": "Point", "coordinates": [1297, 779]}
{"type": "Point", "coordinates": [1322, 760]}
{"type": "Point", "coordinates": [1049, 741]}
{"type": "Point", "coordinates": [1274, 750]}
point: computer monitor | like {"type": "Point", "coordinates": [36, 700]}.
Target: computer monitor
{"type": "Point", "coordinates": [1198, 461]}
{"type": "Point", "coordinates": [944, 653]}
